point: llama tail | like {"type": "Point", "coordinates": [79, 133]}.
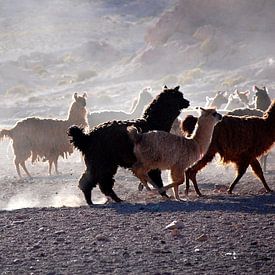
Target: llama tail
{"type": "Point", "coordinates": [6, 133]}
{"type": "Point", "coordinates": [79, 139]}
{"type": "Point", "coordinates": [134, 135]}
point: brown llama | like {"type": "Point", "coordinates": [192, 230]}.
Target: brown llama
{"type": "Point", "coordinates": [45, 139]}
{"type": "Point", "coordinates": [239, 140]}
{"type": "Point", "coordinates": [162, 150]}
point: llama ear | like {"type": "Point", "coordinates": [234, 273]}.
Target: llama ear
{"type": "Point", "coordinates": [75, 96]}
{"type": "Point", "coordinates": [177, 88]}
{"type": "Point", "coordinates": [236, 92]}
{"type": "Point", "coordinates": [202, 109]}
{"type": "Point", "coordinates": [247, 93]}
{"type": "Point", "coordinates": [165, 87]}
{"type": "Point", "coordinates": [197, 109]}
{"type": "Point", "coordinates": [85, 95]}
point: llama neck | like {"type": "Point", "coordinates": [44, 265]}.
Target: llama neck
{"type": "Point", "coordinates": [162, 120]}
{"type": "Point", "coordinates": [203, 135]}
{"type": "Point", "coordinates": [138, 108]}
{"type": "Point", "coordinates": [77, 115]}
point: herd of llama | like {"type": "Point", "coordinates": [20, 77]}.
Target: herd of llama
{"type": "Point", "coordinates": [152, 137]}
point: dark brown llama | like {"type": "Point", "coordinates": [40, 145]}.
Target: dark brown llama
{"type": "Point", "coordinates": [239, 140]}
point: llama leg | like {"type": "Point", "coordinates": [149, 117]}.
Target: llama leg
{"type": "Point", "coordinates": [140, 173]}
{"type": "Point", "coordinates": [25, 168]}
{"type": "Point", "coordinates": [86, 184]}
{"type": "Point", "coordinates": [192, 171]}
{"type": "Point", "coordinates": [107, 189]}
{"type": "Point", "coordinates": [16, 162]}
{"type": "Point", "coordinates": [106, 183]}
{"type": "Point", "coordinates": [256, 167]}
{"type": "Point", "coordinates": [155, 176]}
{"type": "Point", "coordinates": [55, 166]}
{"type": "Point", "coordinates": [177, 176]}
{"type": "Point", "coordinates": [241, 167]}
{"type": "Point", "coordinates": [50, 166]}
{"type": "Point", "coordinates": [22, 153]}
{"type": "Point", "coordinates": [264, 163]}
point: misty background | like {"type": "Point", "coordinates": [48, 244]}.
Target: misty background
{"type": "Point", "coordinates": [114, 48]}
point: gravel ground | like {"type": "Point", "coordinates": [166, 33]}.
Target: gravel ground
{"type": "Point", "coordinates": [218, 233]}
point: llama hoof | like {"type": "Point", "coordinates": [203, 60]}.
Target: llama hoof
{"type": "Point", "coordinates": [140, 187]}
{"type": "Point", "coordinates": [165, 196]}
{"type": "Point", "coordinates": [180, 199]}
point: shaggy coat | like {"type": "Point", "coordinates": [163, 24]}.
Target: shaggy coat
{"type": "Point", "coordinates": [45, 138]}
{"type": "Point", "coordinates": [158, 149]}
{"type": "Point", "coordinates": [188, 125]}
{"type": "Point", "coordinates": [96, 118]}
{"type": "Point", "coordinates": [108, 146]}
{"type": "Point", "coordinates": [240, 140]}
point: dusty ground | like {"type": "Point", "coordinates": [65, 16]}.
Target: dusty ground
{"type": "Point", "coordinates": [221, 234]}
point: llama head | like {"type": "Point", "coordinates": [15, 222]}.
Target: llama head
{"type": "Point", "coordinates": [188, 125]}
{"type": "Point", "coordinates": [219, 99]}
{"type": "Point", "coordinates": [243, 96]}
{"type": "Point", "coordinates": [145, 94]}
{"type": "Point", "coordinates": [171, 98]}
{"type": "Point", "coordinates": [258, 91]}
{"type": "Point", "coordinates": [208, 116]}
{"type": "Point", "coordinates": [81, 100]}
{"type": "Point", "coordinates": [165, 108]}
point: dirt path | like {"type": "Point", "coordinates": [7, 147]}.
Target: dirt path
{"type": "Point", "coordinates": [220, 234]}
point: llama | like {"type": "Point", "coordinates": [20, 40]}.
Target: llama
{"type": "Point", "coordinates": [234, 102]}
{"type": "Point", "coordinates": [161, 150]}
{"type": "Point", "coordinates": [98, 117]}
{"type": "Point", "coordinates": [45, 139]}
{"type": "Point", "coordinates": [261, 99]}
{"type": "Point", "coordinates": [239, 140]}
{"type": "Point", "coordinates": [108, 146]}
{"type": "Point", "coordinates": [243, 96]}
{"type": "Point", "coordinates": [187, 126]}
{"type": "Point", "coordinates": [217, 101]}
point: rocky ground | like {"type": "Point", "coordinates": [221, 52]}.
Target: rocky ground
{"type": "Point", "coordinates": [216, 234]}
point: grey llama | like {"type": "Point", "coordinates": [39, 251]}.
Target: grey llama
{"type": "Point", "coordinates": [42, 138]}
{"type": "Point", "coordinates": [97, 117]}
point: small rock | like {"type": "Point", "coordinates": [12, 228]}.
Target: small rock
{"type": "Point", "coordinates": [59, 232]}
{"type": "Point", "coordinates": [101, 238]}
{"type": "Point", "coordinates": [175, 232]}
{"type": "Point", "coordinates": [174, 224]}
{"type": "Point", "coordinates": [202, 238]}
{"type": "Point", "coordinates": [17, 222]}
